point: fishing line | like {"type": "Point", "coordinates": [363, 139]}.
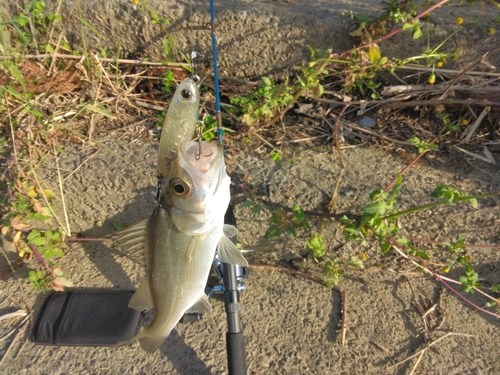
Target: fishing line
{"type": "Point", "coordinates": [216, 74]}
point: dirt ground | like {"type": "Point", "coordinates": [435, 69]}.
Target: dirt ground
{"type": "Point", "coordinates": [292, 325]}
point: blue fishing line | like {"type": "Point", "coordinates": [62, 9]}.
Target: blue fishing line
{"type": "Point", "coordinates": [216, 74]}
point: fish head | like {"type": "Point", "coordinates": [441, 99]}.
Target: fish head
{"type": "Point", "coordinates": [197, 190]}
{"type": "Point", "coordinates": [187, 96]}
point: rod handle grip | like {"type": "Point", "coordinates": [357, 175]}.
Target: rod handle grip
{"type": "Point", "coordinates": [235, 345]}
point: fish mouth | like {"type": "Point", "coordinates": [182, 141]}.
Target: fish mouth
{"type": "Point", "coordinates": [200, 159]}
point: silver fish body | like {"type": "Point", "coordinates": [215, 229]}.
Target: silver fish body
{"type": "Point", "coordinates": [180, 240]}
{"type": "Point", "coordinates": [180, 123]}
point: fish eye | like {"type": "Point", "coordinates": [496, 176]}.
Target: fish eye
{"type": "Point", "coordinates": [185, 94]}
{"type": "Point", "coordinates": [179, 188]}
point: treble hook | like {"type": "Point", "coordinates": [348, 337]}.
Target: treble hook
{"type": "Point", "coordinates": [199, 136]}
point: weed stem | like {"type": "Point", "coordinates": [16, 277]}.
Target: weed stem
{"type": "Point", "coordinates": [435, 204]}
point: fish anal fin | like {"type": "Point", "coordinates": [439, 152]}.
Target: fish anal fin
{"type": "Point", "coordinates": [150, 343]}
{"type": "Point", "coordinates": [229, 253]}
{"type": "Point", "coordinates": [202, 305]}
{"type": "Point", "coordinates": [142, 299]}
{"type": "Point", "coordinates": [129, 341]}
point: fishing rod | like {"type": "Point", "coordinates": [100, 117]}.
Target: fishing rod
{"type": "Point", "coordinates": [216, 73]}
{"type": "Point", "coordinates": [232, 274]}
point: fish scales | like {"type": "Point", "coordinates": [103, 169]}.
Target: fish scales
{"type": "Point", "coordinates": [176, 280]}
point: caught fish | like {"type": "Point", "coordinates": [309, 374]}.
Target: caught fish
{"type": "Point", "coordinates": [179, 241]}
{"type": "Point", "coordinates": [180, 123]}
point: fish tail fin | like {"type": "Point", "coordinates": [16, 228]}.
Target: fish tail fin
{"type": "Point", "coordinates": [151, 343]}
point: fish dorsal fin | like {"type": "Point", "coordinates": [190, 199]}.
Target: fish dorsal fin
{"type": "Point", "coordinates": [230, 230]}
{"type": "Point", "coordinates": [142, 299]}
{"type": "Point", "coordinates": [229, 253]}
{"type": "Point", "coordinates": [202, 305]}
{"type": "Point", "coordinates": [132, 241]}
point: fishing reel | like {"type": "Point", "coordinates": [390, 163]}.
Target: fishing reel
{"type": "Point", "coordinates": [220, 291]}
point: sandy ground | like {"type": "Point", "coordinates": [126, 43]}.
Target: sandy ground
{"type": "Point", "coordinates": [291, 324]}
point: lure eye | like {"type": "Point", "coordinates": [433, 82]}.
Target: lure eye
{"type": "Point", "coordinates": [179, 188]}
{"type": "Point", "coordinates": [185, 94]}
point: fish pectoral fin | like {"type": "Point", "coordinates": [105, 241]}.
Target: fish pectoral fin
{"type": "Point", "coordinates": [142, 299]}
{"type": "Point", "coordinates": [202, 305]}
{"type": "Point", "coordinates": [132, 241]}
{"type": "Point", "coordinates": [229, 253]}
{"type": "Point", "coordinates": [230, 230]}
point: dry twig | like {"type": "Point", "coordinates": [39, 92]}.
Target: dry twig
{"type": "Point", "coordinates": [429, 346]}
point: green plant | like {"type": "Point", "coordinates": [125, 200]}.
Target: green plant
{"type": "Point", "coordinates": [268, 98]}
{"type": "Point", "coordinates": [275, 155]}
{"type": "Point", "coordinates": [209, 131]}
{"type": "Point", "coordinates": [168, 81]}
{"type": "Point", "coordinates": [169, 47]}
{"type": "Point", "coordinates": [33, 18]}
{"type": "Point", "coordinates": [469, 279]}
{"type": "Point", "coordinates": [26, 216]}
{"type": "Point", "coordinates": [316, 246]}
{"type": "Point", "coordinates": [422, 145]}
{"type": "Point", "coordinates": [282, 221]}
{"type": "Point", "coordinates": [379, 220]}
{"type": "Point", "coordinates": [332, 273]}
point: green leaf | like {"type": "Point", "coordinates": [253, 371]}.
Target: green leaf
{"type": "Point", "coordinates": [118, 227]}
{"type": "Point", "coordinates": [473, 202]}
{"type": "Point", "coordinates": [100, 110]}
{"type": "Point", "coordinates": [423, 255]}
{"type": "Point", "coordinates": [417, 33]}
{"type": "Point", "coordinates": [378, 194]}
{"type": "Point", "coordinates": [345, 220]}
{"type": "Point", "coordinates": [272, 232]}
{"type": "Point", "coordinates": [247, 203]}
{"type": "Point", "coordinates": [13, 69]}
{"type": "Point", "coordinates": [57, 252]}
{"type": "Point", "coordinates": [266, 81]}
{"type": "Point", "coordinates": [38, 241]}
{"type": "Point", "coordinates": [402, 240]}
{"type": "Point", "coordinates": [257, 208]}
{"type": "Point", "coordinates": [275, 155]}
{"type": "Point", "coordinates": [375, 208]}
{"type": "Point", "coordinates": [355, 262]}
{"type": "Point", "coordinates": [33, 234]}
{"type": "Point", "coordinates": [446, 192]}
{"type": "Point", "coordinates": [407, 26]}
{"type": "Point", "coordinates": [316, 246]}
{"type": "Point", "coordinates": [61, 151]}
{"type": "Point", "coordinates": [385, 247]}
{"type": "Point", "coordinates": [91, 27]}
